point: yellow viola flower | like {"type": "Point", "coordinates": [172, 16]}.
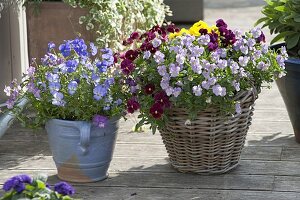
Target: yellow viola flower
{"type": "Point", "coordinates": [180, 33]}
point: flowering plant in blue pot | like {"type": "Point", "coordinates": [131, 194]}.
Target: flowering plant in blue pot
{"type": "Point", "coordinates": [197, 86]}
{"type": "Point", "coordinates": [25, 187]}
{"type": "Point", "coordinates": [76, 93]}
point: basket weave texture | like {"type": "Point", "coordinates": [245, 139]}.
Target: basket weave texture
{"type": "Point", "coordinates": [211, 143]}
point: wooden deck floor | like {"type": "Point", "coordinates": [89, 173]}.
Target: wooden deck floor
{"type": "Point", "coordinates": [269, 170]}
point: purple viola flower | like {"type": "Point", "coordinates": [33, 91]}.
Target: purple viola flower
{"type": "Point", "coordinates": [164, 84]}
{"type": "Point", "coordinates": [169, 90]}
{"type": "Point", "coordinates": [7, 90]}
{"type": "Point", "coordinates": [106, 108]}
{"type": "Point", "coordinates": [72, 87]}
{"type": "Point", "coordinates": [10, 103]}
{"type": "Point", "coordinates": [263, 66]}
{"type": "Point", "coordinates": [187, 40]}
{"type": "Point", "coordinates": [256, 32]}
{"type": "Point", "coordinates": [71, 65]}
{"type": "Point", "coordinates": [147, 55]}
{"type": "Point", "coordinates": [99, 92]}
{"type": "Point", "coordinates": [221, 23]}
{"type": "Point", "coordinates": [257, 54]}
{"type": "Point", "coordinates": [177, 91]}
{"type": "Point", "coordinates": [264, 48]}
{"type": "Point", "coordinates": [218, 90]}
{"type": "Point", "coordinates": [243, 60]}
{"type": "Point", "coordinates": [205, 84]}
{"type": "Point", "coordinates": [94, 49]}
{"type": "Point", "coordinates": [212, 80]}
{"type": "Point", "coordinates": [243, 72]}
{"type": "Point", "coordinates": [64, 188]}
{"type": "Point", "coordinates": [180, 59]}
{"type": "Point", "coordinates": [110, 60]}
{"type": "Point", "coordinates": [204, 39]}
{"type": "Point", "coordinates": [236, 85]}
{"type": "Point", "coordinates": [280, 60]}
{"type": "Point", "coordinates": [162, 70]}
{"type": "Point", "coordinates": [234, 66]}
{"type": "Point", "coordinates": [65, 48]}
{"type": "Point", "coordinates": [156, 42]}
{"type": "Point", "coordinates": [251, 42]}
{"type": "Point", "coordinates": [196, 51]}
{"type": "Point", "coordinates": [284, 52]}
{"type": "Point", "coordinates": [159, 57]}
{"type": "Point", "coordinates": [51, 46]}
{"type": "Point", "coordinates": [195, 64]}
{"type": "Point", "coordinates": [222, 52]}
{"type": "Point", "coordinates": [244, 49]}
{"type": "Point", "coordinates": [238, 108]}
{"type": "Point", "coordinates": [58, 99]}
{"type": "Point", "coordinates": [17, 183]}
{"type": "Point", "coordinates": [222, 63]}
{"type": "Point", "coordinates": [174, 70]}
{"type": "Point", "coordinates": [30, 71]}
{"type": "Point", "coordinates": [197, 90]}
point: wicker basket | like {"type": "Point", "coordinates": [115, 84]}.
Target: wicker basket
{"type": "Point", "coordinates": [211, 143]}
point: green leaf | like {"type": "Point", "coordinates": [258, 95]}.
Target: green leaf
{"type": "Point", "coordinates": [40, 184]}
{"type": "Point", "coordinates": [270, 2]}
{"type": "Point", "coordinates": [292, 41]}
{"type": "Point", "coordinates": [297, 19]}
{"type": "Point", "coordinates": [261, 20]}
{"type": "Point", "coordinates": [281, 36]}
{"type": "Point", "coordinates": [280, 8]}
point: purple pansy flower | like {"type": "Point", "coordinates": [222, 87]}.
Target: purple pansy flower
{"type": "Point", "coordinates": [64, 188]}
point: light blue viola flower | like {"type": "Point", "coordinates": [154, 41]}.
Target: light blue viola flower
{"type": "Point", "coordinates": [197, 90]}
{"type": "Point", "coordinates": [174, 70]}
{"type": "Point", "coordinates": [94, 49]}
{"type": "Point", "coordinates": [58, 99]}
{"type": "Point", "coordinates": [72, 87]}
{"type": "Point", "coordinates": [99, 92]}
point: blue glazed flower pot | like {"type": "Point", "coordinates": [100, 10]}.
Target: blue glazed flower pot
{"type": "Point", "coordinates": [81, 151]}
{"type": "Point", "coordinates": [290, 91]}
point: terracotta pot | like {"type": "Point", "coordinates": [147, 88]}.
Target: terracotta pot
{"type": "Point", "coordinates": [54, 21]}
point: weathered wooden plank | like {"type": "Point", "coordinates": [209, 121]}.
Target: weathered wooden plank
{"type": "Point", "coordinates": [122, 164]}
{"type": "Point", "coordinates": [170, 193]}
{"type": "Point", "coordinates": [168, 180]}
{"type": "Point", "coordinates": [132, 150]}
{"type": "Point", "coordinates": [291, 154]}
{"type": "Point", "coordinates": [287, 183]}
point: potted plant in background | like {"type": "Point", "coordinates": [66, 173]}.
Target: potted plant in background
{"type": "Point", "coordinates": [24, 187]}
{"type": "Point", "coordinates": [283, 18]}
{"type": "Point", "coordinates": [198, 87]}
{"type": "Point", "coordinates": [79, 99]}
{"type": "Point", "coordinates": [105, 22]}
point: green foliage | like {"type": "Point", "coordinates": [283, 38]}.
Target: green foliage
{"type": "Point", "coordinates": [282, 17]}
{"type": "Point", "coordinates": [112, 21]}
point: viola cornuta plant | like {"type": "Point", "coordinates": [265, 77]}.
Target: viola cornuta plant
{"type": "Point", "coordinates": [25, 187]}
{"type": "Point", "coordinates": [195, 69]}
{"type": "Point", "coordinates": [77, 81]}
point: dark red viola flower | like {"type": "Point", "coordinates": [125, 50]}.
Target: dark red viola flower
{"type": "Point", "coordinates": [156, 110]}
{"type": "Point", "coordinates": [163, 99]}
{"type": "Point", "coordinates": [132, 105]}
{"type": "Point", "coordinates": [203, 31]}
{"type": "Point", "coordinates": [149, 88]}
{"type": "Point", "coordinates": [223, 30]}
{"type": "Point", "coordinates": [131, 55]}
{"type": "Point", "coordinates": [221, 23]}
{"type": "Point", "coordinates": [134, 35]}
{"type": "Point", "coordinates": [213, 37]}
{"type": "Point", "coordinates": [127, 66]}
{"type": "Point", "coordinates": [212, 46]}
{"type": "Point", "coordinates": [171, 28]}
{"type": "Point", "coordinates": [150, 36]}
{"type": "Point", "coordinates": [151, 48]}
{"type": "Point", "coordinates": [116, 56]}
{"type": "Point", "coordinates": [261, 38]}
{"type": "Point", "coordinates": [177, 30]}
{"type": "Point", "coordinates": [230, 38]}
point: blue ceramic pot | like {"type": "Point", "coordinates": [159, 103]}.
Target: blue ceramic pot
{"type": "Point", "coordinates": [289, 87]}
{"type": "Point", "coordinates": [81, 151]}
